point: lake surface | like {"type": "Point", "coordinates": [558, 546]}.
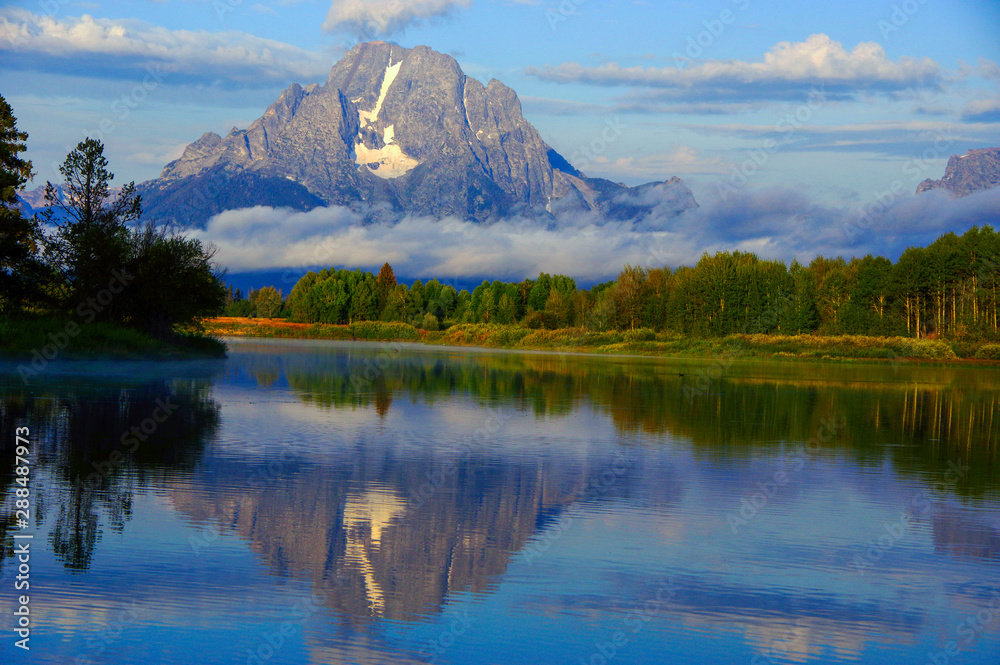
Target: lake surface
{"type": "Point", "coordinates": [321, 502]}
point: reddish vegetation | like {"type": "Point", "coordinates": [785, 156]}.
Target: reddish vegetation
{"type": "Point", "coordinates": [274, 323]}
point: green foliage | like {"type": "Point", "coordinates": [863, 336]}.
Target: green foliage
{"type": "Point", "coordinates": [107, 266]}
{"type": "Point", "coordinates": [948, 290]}
{"type": "Point", "coordinates": [989, 352]}
{"type": "Point", "coordinates": [639, 335]}
{"type": "Point", "coordinates": [24, 336]}
{"type": "Point", "coordinates": [172, 281]}
{"type": "Point", "coordinates": [266, 302]}
{"type": "Point", "coordinates": [21, 270]}
{"type": "Point", "coordinates": [92, 237]}
{"type": "Point", "coordinates": [384, 284]}
{"type": "Point", "coordinates": [429, 322]}
{"type": "Point", "coordinates": [382, 330]}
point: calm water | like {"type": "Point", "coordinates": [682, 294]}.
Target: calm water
{"type": "Point", "coordinates": [347, 503]}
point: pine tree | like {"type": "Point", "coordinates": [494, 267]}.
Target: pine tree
{"type": "Point", "coordinates": [21, 269]}
{"type": "Point", "coordinates": [384, 285]}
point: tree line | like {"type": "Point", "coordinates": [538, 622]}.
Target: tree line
{"type": "Point", "coordinates": [90, 255]}
{"type": "Point", "coordinates": [948, 288]}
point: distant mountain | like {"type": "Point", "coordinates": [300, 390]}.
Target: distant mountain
{"type": "Point", "coordinates": [974, 171]}
{"type": "Point", "coordinates": [396, 128]}
{"type": "Point", "coordinates": [32, 201]}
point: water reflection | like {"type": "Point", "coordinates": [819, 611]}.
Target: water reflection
{"type": "Point", "coordinates": [921, 417]}
{"type": "Point", "coordinates": [359, 472]}
{"type": "Point", "coordinates": [95, 443]}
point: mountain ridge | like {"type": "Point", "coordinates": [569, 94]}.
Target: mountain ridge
{"type": "Point", "coordinates": [976, 170]}
{"type": "Point", "coordinates": [394, 128]}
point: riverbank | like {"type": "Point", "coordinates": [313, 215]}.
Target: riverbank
{"type": "Point", "coordinates": [48, 338]}
{"type": "Point", "coordinates": [633, 342]}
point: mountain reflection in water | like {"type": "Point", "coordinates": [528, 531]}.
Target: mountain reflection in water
{"type": "Point", "coordinates": [549, 495]}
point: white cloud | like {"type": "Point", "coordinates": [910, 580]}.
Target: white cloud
{"type": "Point", "coordinates": [780, 223]}
{"type": "Point", "coordinates": [261, 238]}
{"type": "Point", "coordinates": [681, 160]}
{"type": "Point", "coordinates": [788, 68]}
{"type": "Point", "coordinates": [126, 48]}
{"type": "Point", "coordinates": [982, 110]}
{"type": "Point", "coordinates": [371, 17]}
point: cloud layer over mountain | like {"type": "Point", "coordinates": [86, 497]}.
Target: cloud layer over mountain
{"type": "Point", "coordinates": [774, 223]}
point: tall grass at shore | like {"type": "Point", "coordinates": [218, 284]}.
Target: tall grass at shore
{"type": "Point", "coordinates": [23, 337]}
{"type": "Point", "coordinates": [642, 341]}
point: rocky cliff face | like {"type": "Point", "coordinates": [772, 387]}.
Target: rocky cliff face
{"type": "Point", "coordinates": [403, 128]}
{"type": "Point", "coordinates": [974, 171]}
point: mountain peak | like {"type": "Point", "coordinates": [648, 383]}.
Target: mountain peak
{"type": "Point", "coordinates": [403, 127]}
{"type": "Point", "coordinates": [976, 170]}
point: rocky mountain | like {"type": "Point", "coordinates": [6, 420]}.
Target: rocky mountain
{"type": "Point", "coordinates": [974, 171]}
{"type": "Point", "coordinates": [391, 128]}
{"type": "Point", "coordinates": [32, 201]}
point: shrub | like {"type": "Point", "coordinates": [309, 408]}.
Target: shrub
{"type": "Point", "coordinates": [504, 336]}
{"type": "Point", "coordinates": [383, 330]}
{"type": "Point", "coordinates": [639, 335]}
{"type": "Point", "coordinates": [538, 320]}
{"type": "Point", "coordinates": [429, 322]}
{"type": "Point", "coordinates": [989, 352]}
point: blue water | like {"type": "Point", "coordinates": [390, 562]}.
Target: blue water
{"type": "Point", "coordinates": [320, 502]}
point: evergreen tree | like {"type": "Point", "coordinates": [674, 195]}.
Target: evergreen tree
{"type": "Point", "coordinates": [92, 240]}
{"type": "Point", "coordinates": [21, 270]}
{"type": "Point", "coordinates": [384, 284]}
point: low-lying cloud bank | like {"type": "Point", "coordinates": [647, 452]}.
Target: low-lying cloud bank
{"type": "Point", "coordinates": [779, 223]}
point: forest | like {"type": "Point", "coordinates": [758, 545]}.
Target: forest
{"type": "Point", "coordinates": [89, 273]}
{"type": "Point", "coordinates": [947, 289]}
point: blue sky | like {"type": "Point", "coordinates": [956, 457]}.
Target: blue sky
{"type": "Point", "coordinates": [840, 101]}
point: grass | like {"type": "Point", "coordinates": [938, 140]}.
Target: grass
{"type": "Point", "coordinates": [649, 342]}
{"type": "Point", "coordinates": [49, 338]}
{"type": "Point", "coordinates": [379, 331]}
{"type": "Point", "coordinates": [643, 341]}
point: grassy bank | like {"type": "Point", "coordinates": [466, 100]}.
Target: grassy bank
{"type": "Point", "coordinates": [378, 331]}
{"type": "Point", "coordinates": [642, 341]}
{"type": "Point", "coordinates": [63, 338]}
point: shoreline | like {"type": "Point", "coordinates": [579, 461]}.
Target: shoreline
{"type": "Point", "coordinates": [36, 342]}
{"type": "Point", "coordinates": [841, 349]}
